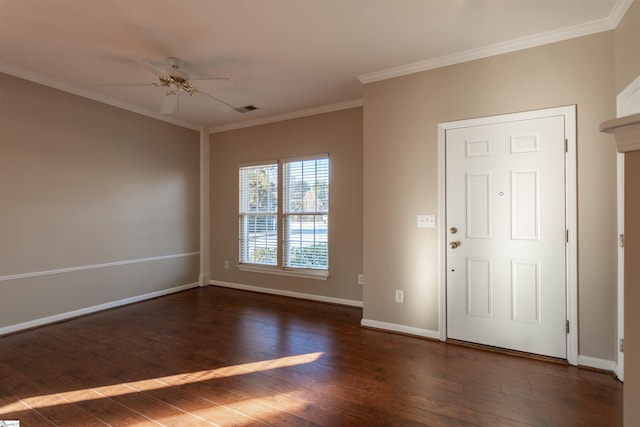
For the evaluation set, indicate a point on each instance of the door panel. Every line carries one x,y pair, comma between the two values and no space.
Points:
505,201
479,287
479,215
525,290
525,205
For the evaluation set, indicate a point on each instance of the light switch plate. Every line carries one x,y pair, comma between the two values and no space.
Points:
426,221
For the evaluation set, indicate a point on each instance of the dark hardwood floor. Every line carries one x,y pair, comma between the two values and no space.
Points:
215,356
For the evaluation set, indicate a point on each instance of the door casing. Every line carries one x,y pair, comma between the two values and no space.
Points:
569,115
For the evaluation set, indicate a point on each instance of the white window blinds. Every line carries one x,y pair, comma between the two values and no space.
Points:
258,214
288,234
306,213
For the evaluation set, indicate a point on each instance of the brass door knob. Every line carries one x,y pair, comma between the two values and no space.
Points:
454,245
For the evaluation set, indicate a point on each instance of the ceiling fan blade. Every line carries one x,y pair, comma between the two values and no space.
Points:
158,72
170,104
220,104
216,82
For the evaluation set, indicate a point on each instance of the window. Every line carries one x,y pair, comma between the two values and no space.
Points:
287,236
306,213
259,214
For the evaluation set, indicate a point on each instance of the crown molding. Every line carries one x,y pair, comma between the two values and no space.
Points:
597,26
288,116
55,84
618,11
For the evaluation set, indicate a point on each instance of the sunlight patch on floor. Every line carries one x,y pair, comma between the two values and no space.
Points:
101,392
243,412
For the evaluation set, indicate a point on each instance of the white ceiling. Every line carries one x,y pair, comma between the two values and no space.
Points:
284,56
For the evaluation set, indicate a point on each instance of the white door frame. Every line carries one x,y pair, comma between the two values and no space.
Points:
619,366
571,196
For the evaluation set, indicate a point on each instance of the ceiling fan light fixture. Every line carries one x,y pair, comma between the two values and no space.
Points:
170,103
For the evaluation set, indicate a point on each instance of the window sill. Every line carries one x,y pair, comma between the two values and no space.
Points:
307,274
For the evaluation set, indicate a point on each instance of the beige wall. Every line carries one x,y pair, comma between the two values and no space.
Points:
337,133
401,173
627,47
632,290
82,184
627,50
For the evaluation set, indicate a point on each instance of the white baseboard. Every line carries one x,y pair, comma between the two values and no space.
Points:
394,327
592,362
205,279
88,310
618,371
300,295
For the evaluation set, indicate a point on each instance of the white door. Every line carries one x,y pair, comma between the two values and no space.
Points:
506,235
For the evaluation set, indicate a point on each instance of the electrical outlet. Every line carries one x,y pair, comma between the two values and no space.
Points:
426,221
399,296
226,265
360,279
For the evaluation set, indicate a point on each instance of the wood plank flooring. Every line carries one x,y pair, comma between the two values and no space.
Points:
215,356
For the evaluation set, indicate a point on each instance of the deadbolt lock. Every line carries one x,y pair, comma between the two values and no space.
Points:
453,230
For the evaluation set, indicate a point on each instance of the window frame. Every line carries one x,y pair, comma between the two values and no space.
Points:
281,217
245,212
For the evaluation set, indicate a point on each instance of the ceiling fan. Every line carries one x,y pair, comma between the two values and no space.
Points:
176,81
